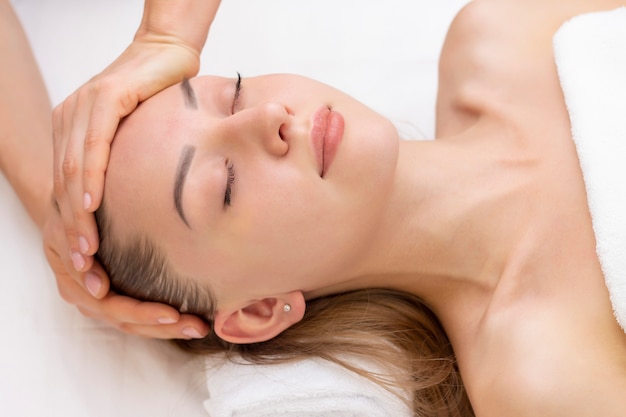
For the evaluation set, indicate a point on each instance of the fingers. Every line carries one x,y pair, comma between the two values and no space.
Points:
188,327
153,320
57,252
147,319
79,225
90,293
84,126
96,281
103,122
83,129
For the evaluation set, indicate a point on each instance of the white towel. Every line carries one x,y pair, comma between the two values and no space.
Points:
590,52
308,388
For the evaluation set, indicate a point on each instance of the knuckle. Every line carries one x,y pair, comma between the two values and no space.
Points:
89,88
127,101
70,231
58,184
87,313
92,137
125,328
64,293
70,166
91,174
107,83
99,85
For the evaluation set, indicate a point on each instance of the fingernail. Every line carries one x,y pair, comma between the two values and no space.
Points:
78,261
93,283
167,320
192,333
83,244
87,201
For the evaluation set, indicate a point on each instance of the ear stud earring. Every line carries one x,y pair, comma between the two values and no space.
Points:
287,308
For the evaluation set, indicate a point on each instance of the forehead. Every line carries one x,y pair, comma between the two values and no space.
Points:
142,164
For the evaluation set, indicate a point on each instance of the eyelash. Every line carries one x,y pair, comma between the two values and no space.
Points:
237,93
230,168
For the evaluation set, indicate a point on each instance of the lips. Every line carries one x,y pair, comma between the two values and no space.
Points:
326,134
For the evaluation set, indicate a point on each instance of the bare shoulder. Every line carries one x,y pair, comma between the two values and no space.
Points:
540,358
466,65
497,51
528,22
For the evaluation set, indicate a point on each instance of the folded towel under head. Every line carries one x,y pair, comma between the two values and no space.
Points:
307,388
590,53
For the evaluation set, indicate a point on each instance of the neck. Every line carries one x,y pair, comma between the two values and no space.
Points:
450,206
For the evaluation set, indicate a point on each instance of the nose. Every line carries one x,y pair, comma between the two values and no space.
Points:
261,125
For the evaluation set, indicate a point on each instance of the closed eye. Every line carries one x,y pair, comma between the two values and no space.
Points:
237,93
230,180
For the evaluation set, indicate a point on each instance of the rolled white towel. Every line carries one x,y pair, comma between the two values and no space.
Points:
307,388
590,53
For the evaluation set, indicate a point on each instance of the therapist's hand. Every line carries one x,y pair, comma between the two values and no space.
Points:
85,123
166,49
83,128
129,315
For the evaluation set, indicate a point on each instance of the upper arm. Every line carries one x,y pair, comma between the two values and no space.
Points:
461,68
498,59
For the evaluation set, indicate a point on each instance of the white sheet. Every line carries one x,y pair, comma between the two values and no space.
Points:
55,362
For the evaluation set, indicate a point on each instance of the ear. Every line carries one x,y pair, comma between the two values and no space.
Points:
260,320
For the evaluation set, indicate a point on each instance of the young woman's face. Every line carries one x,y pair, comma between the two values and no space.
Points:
265,189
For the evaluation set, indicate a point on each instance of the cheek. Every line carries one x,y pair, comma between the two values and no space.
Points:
284,216
284,202
308,231
287,221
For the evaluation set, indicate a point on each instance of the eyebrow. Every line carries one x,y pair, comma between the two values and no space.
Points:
184,162
188,94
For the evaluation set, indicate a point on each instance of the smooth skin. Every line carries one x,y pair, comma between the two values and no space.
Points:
488,224
502,247
26,159
536,335
284,220
25,149
166,49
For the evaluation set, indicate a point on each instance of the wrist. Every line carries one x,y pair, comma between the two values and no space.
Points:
182,22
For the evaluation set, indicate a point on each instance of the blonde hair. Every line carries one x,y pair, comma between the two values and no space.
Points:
393,330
